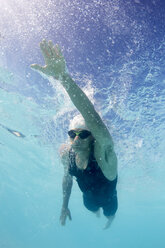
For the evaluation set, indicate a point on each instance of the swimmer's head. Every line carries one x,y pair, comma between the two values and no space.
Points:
78,143
78,122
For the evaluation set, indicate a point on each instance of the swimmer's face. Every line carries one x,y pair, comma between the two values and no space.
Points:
78,142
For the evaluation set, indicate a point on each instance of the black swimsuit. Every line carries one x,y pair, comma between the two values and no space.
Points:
97,190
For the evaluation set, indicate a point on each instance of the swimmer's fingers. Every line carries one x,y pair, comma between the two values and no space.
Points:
54,61
69,215
63,220
50,52
38,68
56,52
64,214
53,49
46,50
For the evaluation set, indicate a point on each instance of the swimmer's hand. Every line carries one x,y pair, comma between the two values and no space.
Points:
54,61
65,212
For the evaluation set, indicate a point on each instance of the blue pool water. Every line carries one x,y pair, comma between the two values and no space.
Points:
115,51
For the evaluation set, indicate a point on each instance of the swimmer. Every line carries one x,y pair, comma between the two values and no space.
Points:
90,155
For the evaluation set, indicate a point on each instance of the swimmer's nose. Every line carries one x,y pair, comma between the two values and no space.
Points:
76,138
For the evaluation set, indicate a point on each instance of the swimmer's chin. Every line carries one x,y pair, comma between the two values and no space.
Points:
76,147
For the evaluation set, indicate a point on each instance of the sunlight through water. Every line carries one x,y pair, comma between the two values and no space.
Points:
115,51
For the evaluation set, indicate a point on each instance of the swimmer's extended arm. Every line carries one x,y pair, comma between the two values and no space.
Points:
86,108
56,68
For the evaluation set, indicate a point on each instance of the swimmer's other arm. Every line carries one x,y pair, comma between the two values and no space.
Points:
66,187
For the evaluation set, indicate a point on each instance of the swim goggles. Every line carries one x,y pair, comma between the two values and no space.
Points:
82,134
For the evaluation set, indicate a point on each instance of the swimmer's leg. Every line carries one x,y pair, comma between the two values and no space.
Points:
97,213
109,210
90,203
109,222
